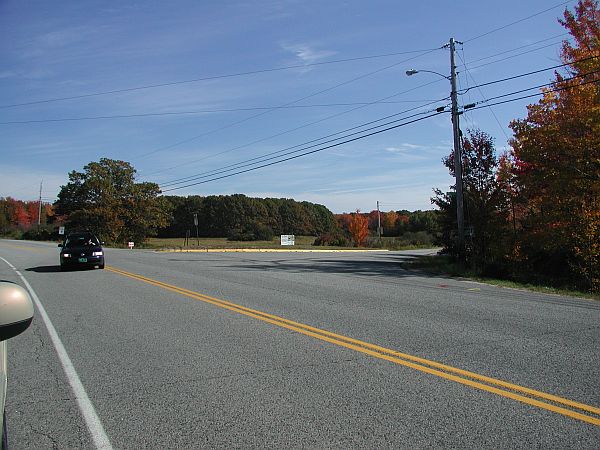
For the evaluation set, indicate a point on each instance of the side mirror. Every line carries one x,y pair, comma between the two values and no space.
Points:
60,245
16,310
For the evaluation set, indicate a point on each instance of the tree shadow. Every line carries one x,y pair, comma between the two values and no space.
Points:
388,266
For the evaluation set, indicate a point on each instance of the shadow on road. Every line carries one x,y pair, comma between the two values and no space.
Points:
44,269
390,266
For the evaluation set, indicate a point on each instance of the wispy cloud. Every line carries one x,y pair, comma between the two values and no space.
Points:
404,148
306,53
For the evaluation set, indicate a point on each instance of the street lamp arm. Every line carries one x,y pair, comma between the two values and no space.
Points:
414,71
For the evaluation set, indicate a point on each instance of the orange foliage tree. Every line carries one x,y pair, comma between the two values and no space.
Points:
359,228
556,152
388,223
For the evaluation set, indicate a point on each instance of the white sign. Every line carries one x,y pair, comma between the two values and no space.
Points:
287,239
130,244
61,230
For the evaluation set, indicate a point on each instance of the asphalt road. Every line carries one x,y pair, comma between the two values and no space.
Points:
311,350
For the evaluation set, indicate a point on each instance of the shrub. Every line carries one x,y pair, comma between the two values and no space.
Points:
334,239
254,231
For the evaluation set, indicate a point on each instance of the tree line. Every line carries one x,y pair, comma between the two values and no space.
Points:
245,218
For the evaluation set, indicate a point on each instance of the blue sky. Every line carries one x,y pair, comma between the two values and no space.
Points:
55,50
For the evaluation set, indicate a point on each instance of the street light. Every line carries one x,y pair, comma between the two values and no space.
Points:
414,71
457,152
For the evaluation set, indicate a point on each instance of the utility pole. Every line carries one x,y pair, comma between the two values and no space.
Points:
457,154
378,221
40,206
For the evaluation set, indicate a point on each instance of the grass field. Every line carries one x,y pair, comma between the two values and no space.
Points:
301,243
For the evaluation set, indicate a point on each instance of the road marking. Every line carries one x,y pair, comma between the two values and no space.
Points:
86,407
503,388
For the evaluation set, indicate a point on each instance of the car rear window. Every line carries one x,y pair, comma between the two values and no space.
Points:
81,240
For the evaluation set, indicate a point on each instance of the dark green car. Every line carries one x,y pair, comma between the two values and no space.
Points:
81,250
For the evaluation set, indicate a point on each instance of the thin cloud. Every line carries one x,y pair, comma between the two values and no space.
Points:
307,54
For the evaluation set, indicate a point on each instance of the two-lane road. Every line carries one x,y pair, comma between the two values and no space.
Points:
320,350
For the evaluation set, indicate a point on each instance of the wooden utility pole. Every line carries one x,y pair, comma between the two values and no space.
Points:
457,155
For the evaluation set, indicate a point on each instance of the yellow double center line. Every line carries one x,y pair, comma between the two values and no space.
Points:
522,394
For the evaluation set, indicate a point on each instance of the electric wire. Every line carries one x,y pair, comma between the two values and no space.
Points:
204,111
266,70
314,94
514,77
208,111
305,154
561,35
482,95
459,77
299,128
378,132
536,94
517,21
214,77
462,92
121,116
286,151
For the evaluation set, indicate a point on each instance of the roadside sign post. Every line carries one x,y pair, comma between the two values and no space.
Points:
61,231
196,224
130,245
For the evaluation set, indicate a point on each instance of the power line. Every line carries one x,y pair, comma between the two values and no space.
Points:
269,108
477,86
205,111
214,77
252,108
518,21
528,73
215,130
285,152
536,94
304,126
373,133
561,35
483,96
265,70
304,154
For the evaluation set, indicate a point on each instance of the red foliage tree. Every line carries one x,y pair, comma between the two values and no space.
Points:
21,217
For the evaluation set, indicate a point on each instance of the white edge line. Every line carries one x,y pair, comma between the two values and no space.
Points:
90,416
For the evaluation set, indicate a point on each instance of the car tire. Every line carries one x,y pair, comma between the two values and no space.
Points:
4,433
101,266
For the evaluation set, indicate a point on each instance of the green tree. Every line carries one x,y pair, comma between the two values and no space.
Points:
105,199
483,202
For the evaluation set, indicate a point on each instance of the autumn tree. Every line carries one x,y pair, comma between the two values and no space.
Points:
105,199
21,217
389,223
557,159
359,228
